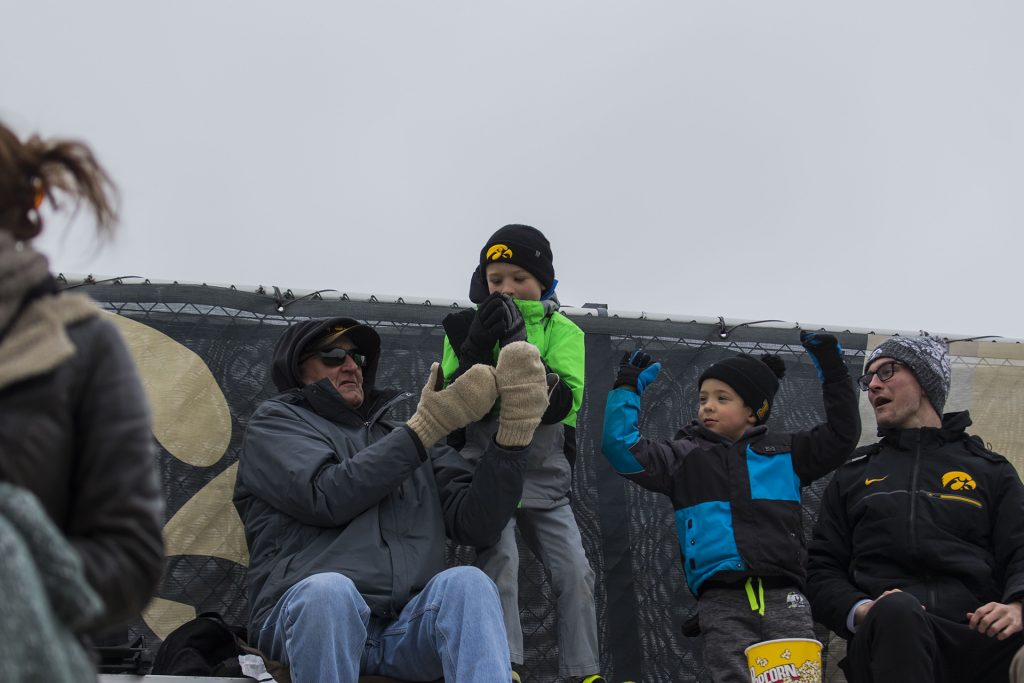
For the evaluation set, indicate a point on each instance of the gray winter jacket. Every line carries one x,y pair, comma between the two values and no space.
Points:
325,488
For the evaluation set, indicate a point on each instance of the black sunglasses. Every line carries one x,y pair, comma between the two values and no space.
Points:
884,372
332,358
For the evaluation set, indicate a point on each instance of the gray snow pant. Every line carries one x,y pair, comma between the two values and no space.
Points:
548,527
729,626
554,538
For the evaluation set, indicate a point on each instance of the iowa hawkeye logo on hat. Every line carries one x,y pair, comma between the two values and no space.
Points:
498,251
763,410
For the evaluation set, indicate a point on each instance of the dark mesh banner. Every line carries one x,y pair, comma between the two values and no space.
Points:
204,355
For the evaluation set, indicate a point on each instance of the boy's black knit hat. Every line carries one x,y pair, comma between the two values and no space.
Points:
520,245
756,380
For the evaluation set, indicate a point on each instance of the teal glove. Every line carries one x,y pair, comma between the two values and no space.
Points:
826,353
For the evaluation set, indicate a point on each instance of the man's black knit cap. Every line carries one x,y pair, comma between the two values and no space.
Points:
756,380
520,245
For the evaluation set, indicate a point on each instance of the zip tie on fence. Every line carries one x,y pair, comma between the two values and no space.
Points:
724,332
968,339
90,281
282,304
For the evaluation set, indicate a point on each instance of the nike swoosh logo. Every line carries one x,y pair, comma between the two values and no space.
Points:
869,482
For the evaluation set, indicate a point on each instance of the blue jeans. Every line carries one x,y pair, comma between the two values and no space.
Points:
322,629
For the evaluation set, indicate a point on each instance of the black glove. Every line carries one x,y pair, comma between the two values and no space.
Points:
559,400
516,330
495,318
827,354
635,370
456,327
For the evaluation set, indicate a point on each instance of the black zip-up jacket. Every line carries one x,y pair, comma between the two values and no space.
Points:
929,511
322,487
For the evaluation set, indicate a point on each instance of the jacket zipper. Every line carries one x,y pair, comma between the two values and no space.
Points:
913,517
947,496
404,396
913,493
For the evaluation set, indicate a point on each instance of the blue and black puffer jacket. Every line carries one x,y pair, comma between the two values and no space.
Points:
737,505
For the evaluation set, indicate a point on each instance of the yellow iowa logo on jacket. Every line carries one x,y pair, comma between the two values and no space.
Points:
498,251
958,481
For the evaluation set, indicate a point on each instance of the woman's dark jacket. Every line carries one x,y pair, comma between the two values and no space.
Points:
78,436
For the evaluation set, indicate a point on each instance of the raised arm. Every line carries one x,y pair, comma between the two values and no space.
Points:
319,479
823,448
477,506
647,463
322,479
471,336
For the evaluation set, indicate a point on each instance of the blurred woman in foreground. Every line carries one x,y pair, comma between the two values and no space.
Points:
74,422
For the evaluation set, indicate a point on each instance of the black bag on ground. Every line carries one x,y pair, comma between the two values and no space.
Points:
205,646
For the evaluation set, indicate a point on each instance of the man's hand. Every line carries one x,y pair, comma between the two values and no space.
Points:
862,610
523,387
996,620
443,410
827,354
636,371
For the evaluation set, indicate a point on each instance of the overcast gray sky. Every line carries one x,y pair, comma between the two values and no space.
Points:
849,164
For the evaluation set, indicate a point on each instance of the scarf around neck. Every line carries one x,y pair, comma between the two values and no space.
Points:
36,339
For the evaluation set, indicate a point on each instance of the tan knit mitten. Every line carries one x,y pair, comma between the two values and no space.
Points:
523,389
443,410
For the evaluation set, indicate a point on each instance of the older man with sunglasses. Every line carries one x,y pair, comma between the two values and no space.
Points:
918,554
346,511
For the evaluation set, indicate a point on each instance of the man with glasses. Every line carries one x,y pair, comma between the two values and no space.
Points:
918,553
346,511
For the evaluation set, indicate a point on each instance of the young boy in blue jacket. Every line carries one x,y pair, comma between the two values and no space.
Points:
735,488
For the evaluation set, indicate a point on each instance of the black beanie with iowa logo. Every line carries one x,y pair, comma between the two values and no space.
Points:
519,245
756,380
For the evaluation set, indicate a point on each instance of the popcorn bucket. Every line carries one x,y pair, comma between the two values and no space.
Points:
788,660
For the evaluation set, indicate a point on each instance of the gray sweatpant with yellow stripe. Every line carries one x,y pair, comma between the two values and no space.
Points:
731,621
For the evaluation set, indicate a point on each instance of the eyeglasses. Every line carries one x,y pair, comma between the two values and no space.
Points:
883,371
332,358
